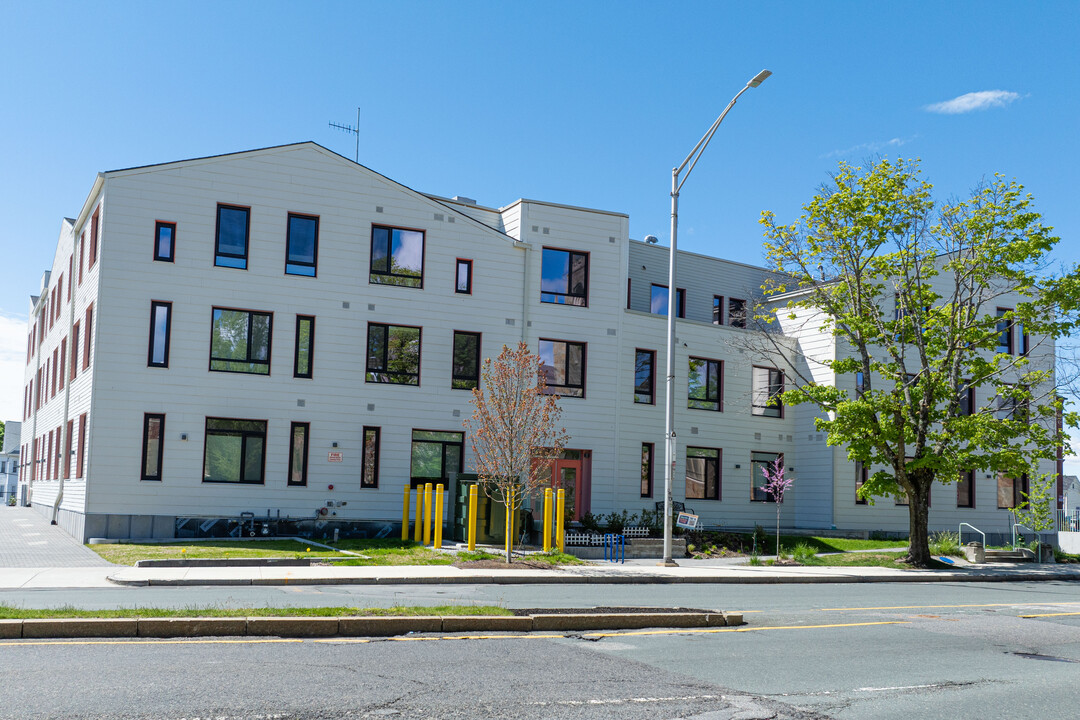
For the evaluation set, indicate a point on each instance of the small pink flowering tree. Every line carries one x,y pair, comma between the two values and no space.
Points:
776,484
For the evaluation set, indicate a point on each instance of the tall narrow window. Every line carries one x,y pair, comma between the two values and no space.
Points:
658,301
369,464
759,463
1022,343
49,457
703,473
63,361
52,370
393,354
465,372
965,490
94,222
563,365
397,257
435,455
463,281
68,444
88,328
160,324
235,451
646,469
74,351
302,245
231,237
164,241
645,376
304,354
704,384
81,465
71,274
153,446
564,277
240,341
1011,491
736,313
1005,331
766,391
82,255
717,309
862,475
967,400
298,453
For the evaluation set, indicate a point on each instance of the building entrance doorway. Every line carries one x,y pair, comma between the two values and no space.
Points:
569,472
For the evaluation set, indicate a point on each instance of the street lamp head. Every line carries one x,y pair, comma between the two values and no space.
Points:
759,78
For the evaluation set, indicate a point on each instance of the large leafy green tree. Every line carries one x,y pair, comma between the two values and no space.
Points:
925,300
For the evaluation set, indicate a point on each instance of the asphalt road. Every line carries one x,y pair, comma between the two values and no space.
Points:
846,651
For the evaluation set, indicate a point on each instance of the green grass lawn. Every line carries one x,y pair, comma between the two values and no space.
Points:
868,559
825,544
8,612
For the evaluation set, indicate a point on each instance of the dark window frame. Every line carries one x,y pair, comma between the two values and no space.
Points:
415,481
756,494
680,300
733,315
158,225
88,335
147,419
371,373
456,378
652,377
969,502
293,427
719,398
774,403
553,389
1020,488
862,476
288,244
717,309
468,264
310,348
244,435
648,465
1005,329
95,236
154,305
375,457
567,297
373,273
247,238
705,482
269,342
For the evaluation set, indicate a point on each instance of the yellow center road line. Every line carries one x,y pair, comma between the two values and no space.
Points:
702,631
926,607
152,641
1050,615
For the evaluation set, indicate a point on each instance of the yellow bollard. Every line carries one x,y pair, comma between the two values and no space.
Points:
547,520
473,493
438,515
509,523
405,513
419,524
560,510
427,513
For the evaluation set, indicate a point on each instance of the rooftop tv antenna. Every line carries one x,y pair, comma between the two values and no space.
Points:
350,129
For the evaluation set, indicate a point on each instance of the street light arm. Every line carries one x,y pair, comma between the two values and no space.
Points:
703,143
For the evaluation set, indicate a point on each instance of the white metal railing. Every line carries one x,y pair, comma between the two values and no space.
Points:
1067,522
959,534
1038,548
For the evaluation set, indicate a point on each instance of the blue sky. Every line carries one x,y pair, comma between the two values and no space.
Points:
584,103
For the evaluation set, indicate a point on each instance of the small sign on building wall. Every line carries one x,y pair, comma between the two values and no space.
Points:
333,457
686,520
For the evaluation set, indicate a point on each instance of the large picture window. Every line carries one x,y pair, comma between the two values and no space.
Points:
393,354
152,447
303,354
160,322
231,243
703,473
397,257
434,455
564,277
240,341
563,365
704,384
466,364
759,463
235,451
298,453
767,387
301,245
369,464
645,376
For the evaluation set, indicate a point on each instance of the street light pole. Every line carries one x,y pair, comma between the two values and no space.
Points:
672,309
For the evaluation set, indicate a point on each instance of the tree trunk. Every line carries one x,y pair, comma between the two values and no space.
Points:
918,512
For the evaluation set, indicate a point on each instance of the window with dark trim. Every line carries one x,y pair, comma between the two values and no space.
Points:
304,352
88,334
231,236
645,376
393,354
465,370
240,341
736,313
1023,345
435,454
967,400
564,277
81,465
463,277
63,362
759,462
658,300
68,444
235,451
160,324
646,469
82,255
705,384
965,490
397,257
766,391
152,445
1011,491
164,241
301,245
703,473
862,475
1005,331
71,275
717,309
94,231
298,453
563,366
74,351
369,461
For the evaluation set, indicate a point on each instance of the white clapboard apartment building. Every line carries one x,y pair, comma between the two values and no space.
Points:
282,330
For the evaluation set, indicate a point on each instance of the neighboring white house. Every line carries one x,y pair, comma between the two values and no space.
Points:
9,462
271,331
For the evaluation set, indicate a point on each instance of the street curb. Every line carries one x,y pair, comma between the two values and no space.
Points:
364,626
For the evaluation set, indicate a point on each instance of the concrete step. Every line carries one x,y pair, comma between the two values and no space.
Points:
1010,556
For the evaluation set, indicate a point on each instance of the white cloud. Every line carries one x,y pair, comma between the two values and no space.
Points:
969,102
12,364
869,147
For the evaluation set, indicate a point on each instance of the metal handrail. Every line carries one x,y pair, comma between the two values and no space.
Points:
1016,525
960,527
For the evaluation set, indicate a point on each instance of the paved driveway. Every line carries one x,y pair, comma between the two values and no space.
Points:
27,540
